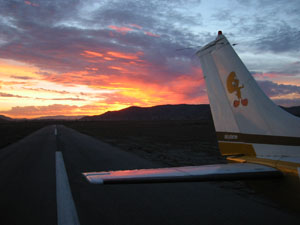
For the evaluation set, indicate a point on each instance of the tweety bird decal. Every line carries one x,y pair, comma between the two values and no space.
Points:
233,86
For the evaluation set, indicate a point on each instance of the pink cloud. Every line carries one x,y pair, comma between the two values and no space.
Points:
122,30
151,34
31,3
136,26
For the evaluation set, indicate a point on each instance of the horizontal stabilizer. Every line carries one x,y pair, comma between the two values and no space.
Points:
234,171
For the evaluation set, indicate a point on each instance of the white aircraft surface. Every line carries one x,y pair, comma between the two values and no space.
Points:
262,138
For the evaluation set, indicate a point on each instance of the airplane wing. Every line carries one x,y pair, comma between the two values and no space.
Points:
232,171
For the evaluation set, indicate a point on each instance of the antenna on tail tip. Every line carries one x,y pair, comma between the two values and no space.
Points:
219,32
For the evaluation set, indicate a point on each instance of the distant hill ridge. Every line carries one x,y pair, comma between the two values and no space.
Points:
161,112
5,118
165,112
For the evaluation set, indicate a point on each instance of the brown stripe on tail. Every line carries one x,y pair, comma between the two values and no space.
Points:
229,148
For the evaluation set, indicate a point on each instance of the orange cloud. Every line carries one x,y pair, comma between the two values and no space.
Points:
91,68
122,70
92,54
110,56
184,89
12,83
125,55
131,82
184,83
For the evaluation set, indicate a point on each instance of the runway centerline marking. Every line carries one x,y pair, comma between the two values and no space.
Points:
55,130
66,211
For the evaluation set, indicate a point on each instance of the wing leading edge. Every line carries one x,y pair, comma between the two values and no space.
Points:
232,171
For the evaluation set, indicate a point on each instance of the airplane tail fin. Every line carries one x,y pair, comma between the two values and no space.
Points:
246,121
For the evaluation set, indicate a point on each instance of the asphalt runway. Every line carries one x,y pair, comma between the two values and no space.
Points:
29,195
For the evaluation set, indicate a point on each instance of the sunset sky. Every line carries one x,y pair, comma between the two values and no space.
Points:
72,57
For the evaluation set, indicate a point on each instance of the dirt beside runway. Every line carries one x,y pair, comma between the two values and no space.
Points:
172,143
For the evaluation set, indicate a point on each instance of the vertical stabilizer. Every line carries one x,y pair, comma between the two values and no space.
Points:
246,120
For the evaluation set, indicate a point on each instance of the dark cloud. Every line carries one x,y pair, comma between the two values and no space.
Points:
67,99
21,77
46,12
283,38
47,90
278,92
286,70
6,95
148,14
288,102
61,99
262,25
272,89
292,68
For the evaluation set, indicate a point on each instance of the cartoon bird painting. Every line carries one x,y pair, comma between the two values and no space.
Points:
233,87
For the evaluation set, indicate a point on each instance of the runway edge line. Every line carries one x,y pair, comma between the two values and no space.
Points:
66,211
